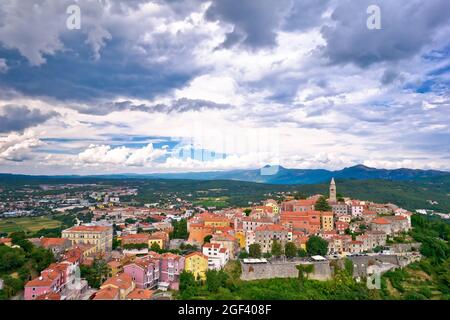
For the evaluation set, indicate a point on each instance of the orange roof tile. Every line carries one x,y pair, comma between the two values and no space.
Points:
122,281
108,293
380,221
140,294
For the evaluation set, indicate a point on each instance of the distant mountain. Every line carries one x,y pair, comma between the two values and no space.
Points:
281,175
275,175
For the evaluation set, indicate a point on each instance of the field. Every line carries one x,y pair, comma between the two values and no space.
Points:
219,202
28,224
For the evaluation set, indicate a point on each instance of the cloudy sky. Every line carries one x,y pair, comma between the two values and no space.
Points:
191,85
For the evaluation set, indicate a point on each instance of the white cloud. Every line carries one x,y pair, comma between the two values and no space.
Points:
100,155
3,66
16,147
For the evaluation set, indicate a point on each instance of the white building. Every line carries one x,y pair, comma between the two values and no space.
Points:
218,255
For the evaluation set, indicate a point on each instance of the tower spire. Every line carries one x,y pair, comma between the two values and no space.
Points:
333,191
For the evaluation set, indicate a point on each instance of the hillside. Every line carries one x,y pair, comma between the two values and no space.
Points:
408,194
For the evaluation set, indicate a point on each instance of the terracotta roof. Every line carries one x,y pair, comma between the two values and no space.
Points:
212,245
196,254
49,296
108,293
41,281
114,264
380,221
140,294
49,242
87,229
5,240
170,255
122,281
270,227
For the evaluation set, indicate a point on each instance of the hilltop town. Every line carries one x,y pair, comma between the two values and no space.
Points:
138,253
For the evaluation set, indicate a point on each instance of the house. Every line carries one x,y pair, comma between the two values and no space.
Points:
307,221
54,278
218,256
144,271
197,264
356,208
6,241
341,226
365,240
339,209
327,219
227,241
51,282
250,224
140,294
123,282
133,239
115,267
275,207
376,238
354,246
99,236
265,235
345,218
161,238
171,266
381,224
399,223
369,216
298,205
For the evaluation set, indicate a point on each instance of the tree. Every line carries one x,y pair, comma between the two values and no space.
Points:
254,250
155,247
207,239
215,279
187,280
322,204
130,221
243,254
247,212
302,253
179,229
316,246
276,250
95,274
42,258
115,243
10,259
290,250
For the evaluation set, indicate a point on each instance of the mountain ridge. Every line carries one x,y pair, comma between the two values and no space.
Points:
271,175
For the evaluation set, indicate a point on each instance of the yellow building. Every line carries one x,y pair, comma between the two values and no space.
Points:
161,238
123,282
327,221
197,264
100,236
240,236
217,222
275,207
116,268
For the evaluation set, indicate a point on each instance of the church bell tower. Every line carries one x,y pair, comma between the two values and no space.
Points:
333,191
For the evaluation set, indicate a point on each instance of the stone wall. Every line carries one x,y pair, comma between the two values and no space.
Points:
283,269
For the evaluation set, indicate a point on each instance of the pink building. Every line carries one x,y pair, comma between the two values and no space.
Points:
144,271
171,266
54,279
